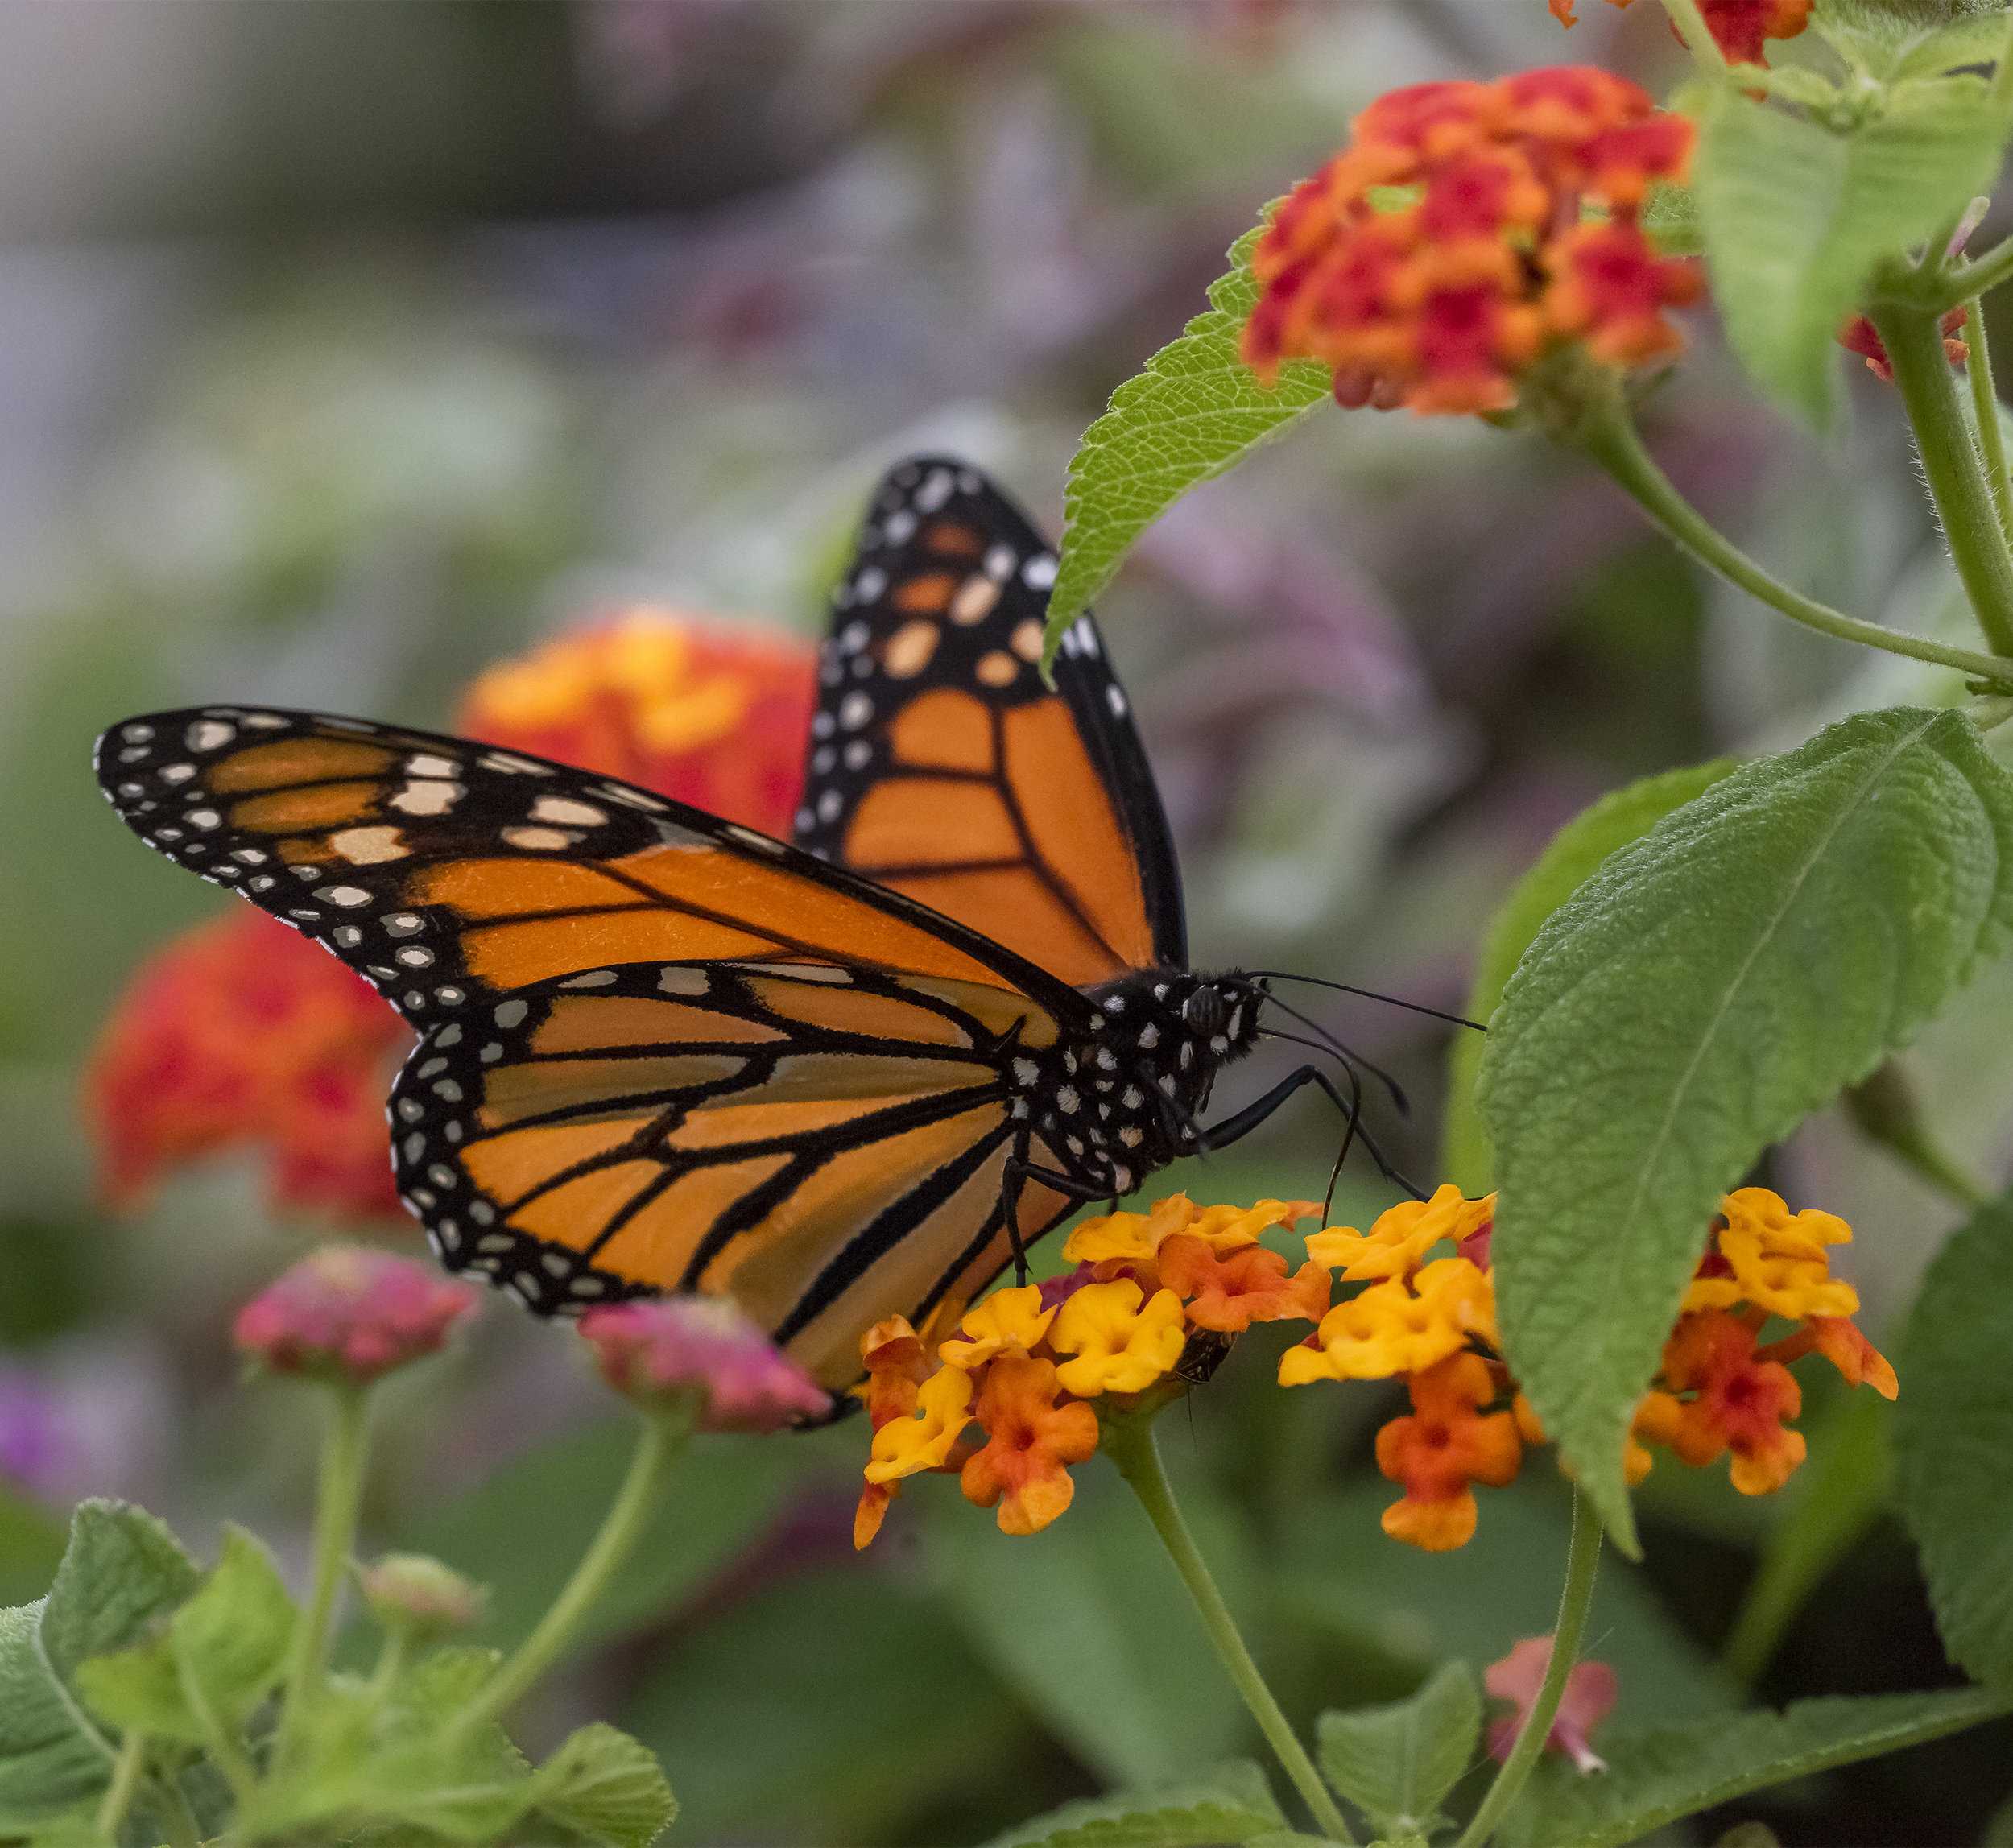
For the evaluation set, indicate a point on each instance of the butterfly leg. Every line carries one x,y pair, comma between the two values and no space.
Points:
1017,1172
1220,1135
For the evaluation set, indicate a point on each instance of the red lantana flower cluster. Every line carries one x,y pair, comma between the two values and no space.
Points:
1717,1391
242,1031
1468,227
1035,1368
1739,26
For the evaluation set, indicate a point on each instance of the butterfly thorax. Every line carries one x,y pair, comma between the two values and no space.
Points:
1123,1100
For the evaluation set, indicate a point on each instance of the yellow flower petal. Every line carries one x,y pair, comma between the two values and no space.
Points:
1391,1328
1008,1322
1121,1347
1401,1236
903,1446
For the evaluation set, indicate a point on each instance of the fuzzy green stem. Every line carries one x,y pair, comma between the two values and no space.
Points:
1886,1108
1613,444
1988,714
1985,405
1582,1558
390,1664
126,1770
658,1446
1982,277
1964,503
339,1499
1132,1446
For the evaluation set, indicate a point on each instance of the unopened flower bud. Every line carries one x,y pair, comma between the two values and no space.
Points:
421,1598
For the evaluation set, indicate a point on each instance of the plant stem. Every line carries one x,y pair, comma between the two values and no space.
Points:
1985,405
171,1811
339,1498
1982,277
126,1777
1133,1447
1582,1557
1698,38
659,1444
1615,446
1964,503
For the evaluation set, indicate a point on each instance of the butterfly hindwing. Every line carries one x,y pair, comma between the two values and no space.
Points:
822,1143
943,767
450,874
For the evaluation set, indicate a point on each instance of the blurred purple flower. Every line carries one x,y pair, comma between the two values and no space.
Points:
31,1430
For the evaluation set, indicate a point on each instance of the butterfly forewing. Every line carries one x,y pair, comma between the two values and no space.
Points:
823,1143
942,767
447,873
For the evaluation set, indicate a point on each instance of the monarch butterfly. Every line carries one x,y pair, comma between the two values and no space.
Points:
842,1077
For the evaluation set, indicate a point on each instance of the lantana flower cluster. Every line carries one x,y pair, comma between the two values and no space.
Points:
1430,1321
1468,229
1035,1369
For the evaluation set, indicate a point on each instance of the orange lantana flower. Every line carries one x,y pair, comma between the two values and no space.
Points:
1033,1433
704,713
1250,1285
1445,1445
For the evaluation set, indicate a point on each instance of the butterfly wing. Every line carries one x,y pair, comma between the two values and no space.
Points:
829,1145
942,767
450,874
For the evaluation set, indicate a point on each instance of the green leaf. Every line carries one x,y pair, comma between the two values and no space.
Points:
1954,1431
605,1787
1670,215
522,1531
219,1655
1890,39
1568,862
1653,1777
1711,985
122,1573
1396,1762
1232,1803
1090,1625
1796,217
829,1707
31,1543
1195,411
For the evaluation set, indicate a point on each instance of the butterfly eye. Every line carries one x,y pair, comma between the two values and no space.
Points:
1204,1011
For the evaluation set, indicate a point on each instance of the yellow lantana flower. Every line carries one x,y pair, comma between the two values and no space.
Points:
1401,1236
1778,1260
1007,1322
903,1446
1120,1346
1394,1328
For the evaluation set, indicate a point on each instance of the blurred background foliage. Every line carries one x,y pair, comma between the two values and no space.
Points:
345,348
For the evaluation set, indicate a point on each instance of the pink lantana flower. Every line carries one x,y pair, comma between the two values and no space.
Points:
1590,1693
653,1351
346,1312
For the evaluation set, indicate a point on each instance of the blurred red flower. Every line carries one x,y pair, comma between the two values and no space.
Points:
1739,26
242,1031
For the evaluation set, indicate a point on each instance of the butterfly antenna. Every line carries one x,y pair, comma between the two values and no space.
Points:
1348,1055
1370,994
1354,1118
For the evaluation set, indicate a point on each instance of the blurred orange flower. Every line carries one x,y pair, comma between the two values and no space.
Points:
243,1031
705,714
